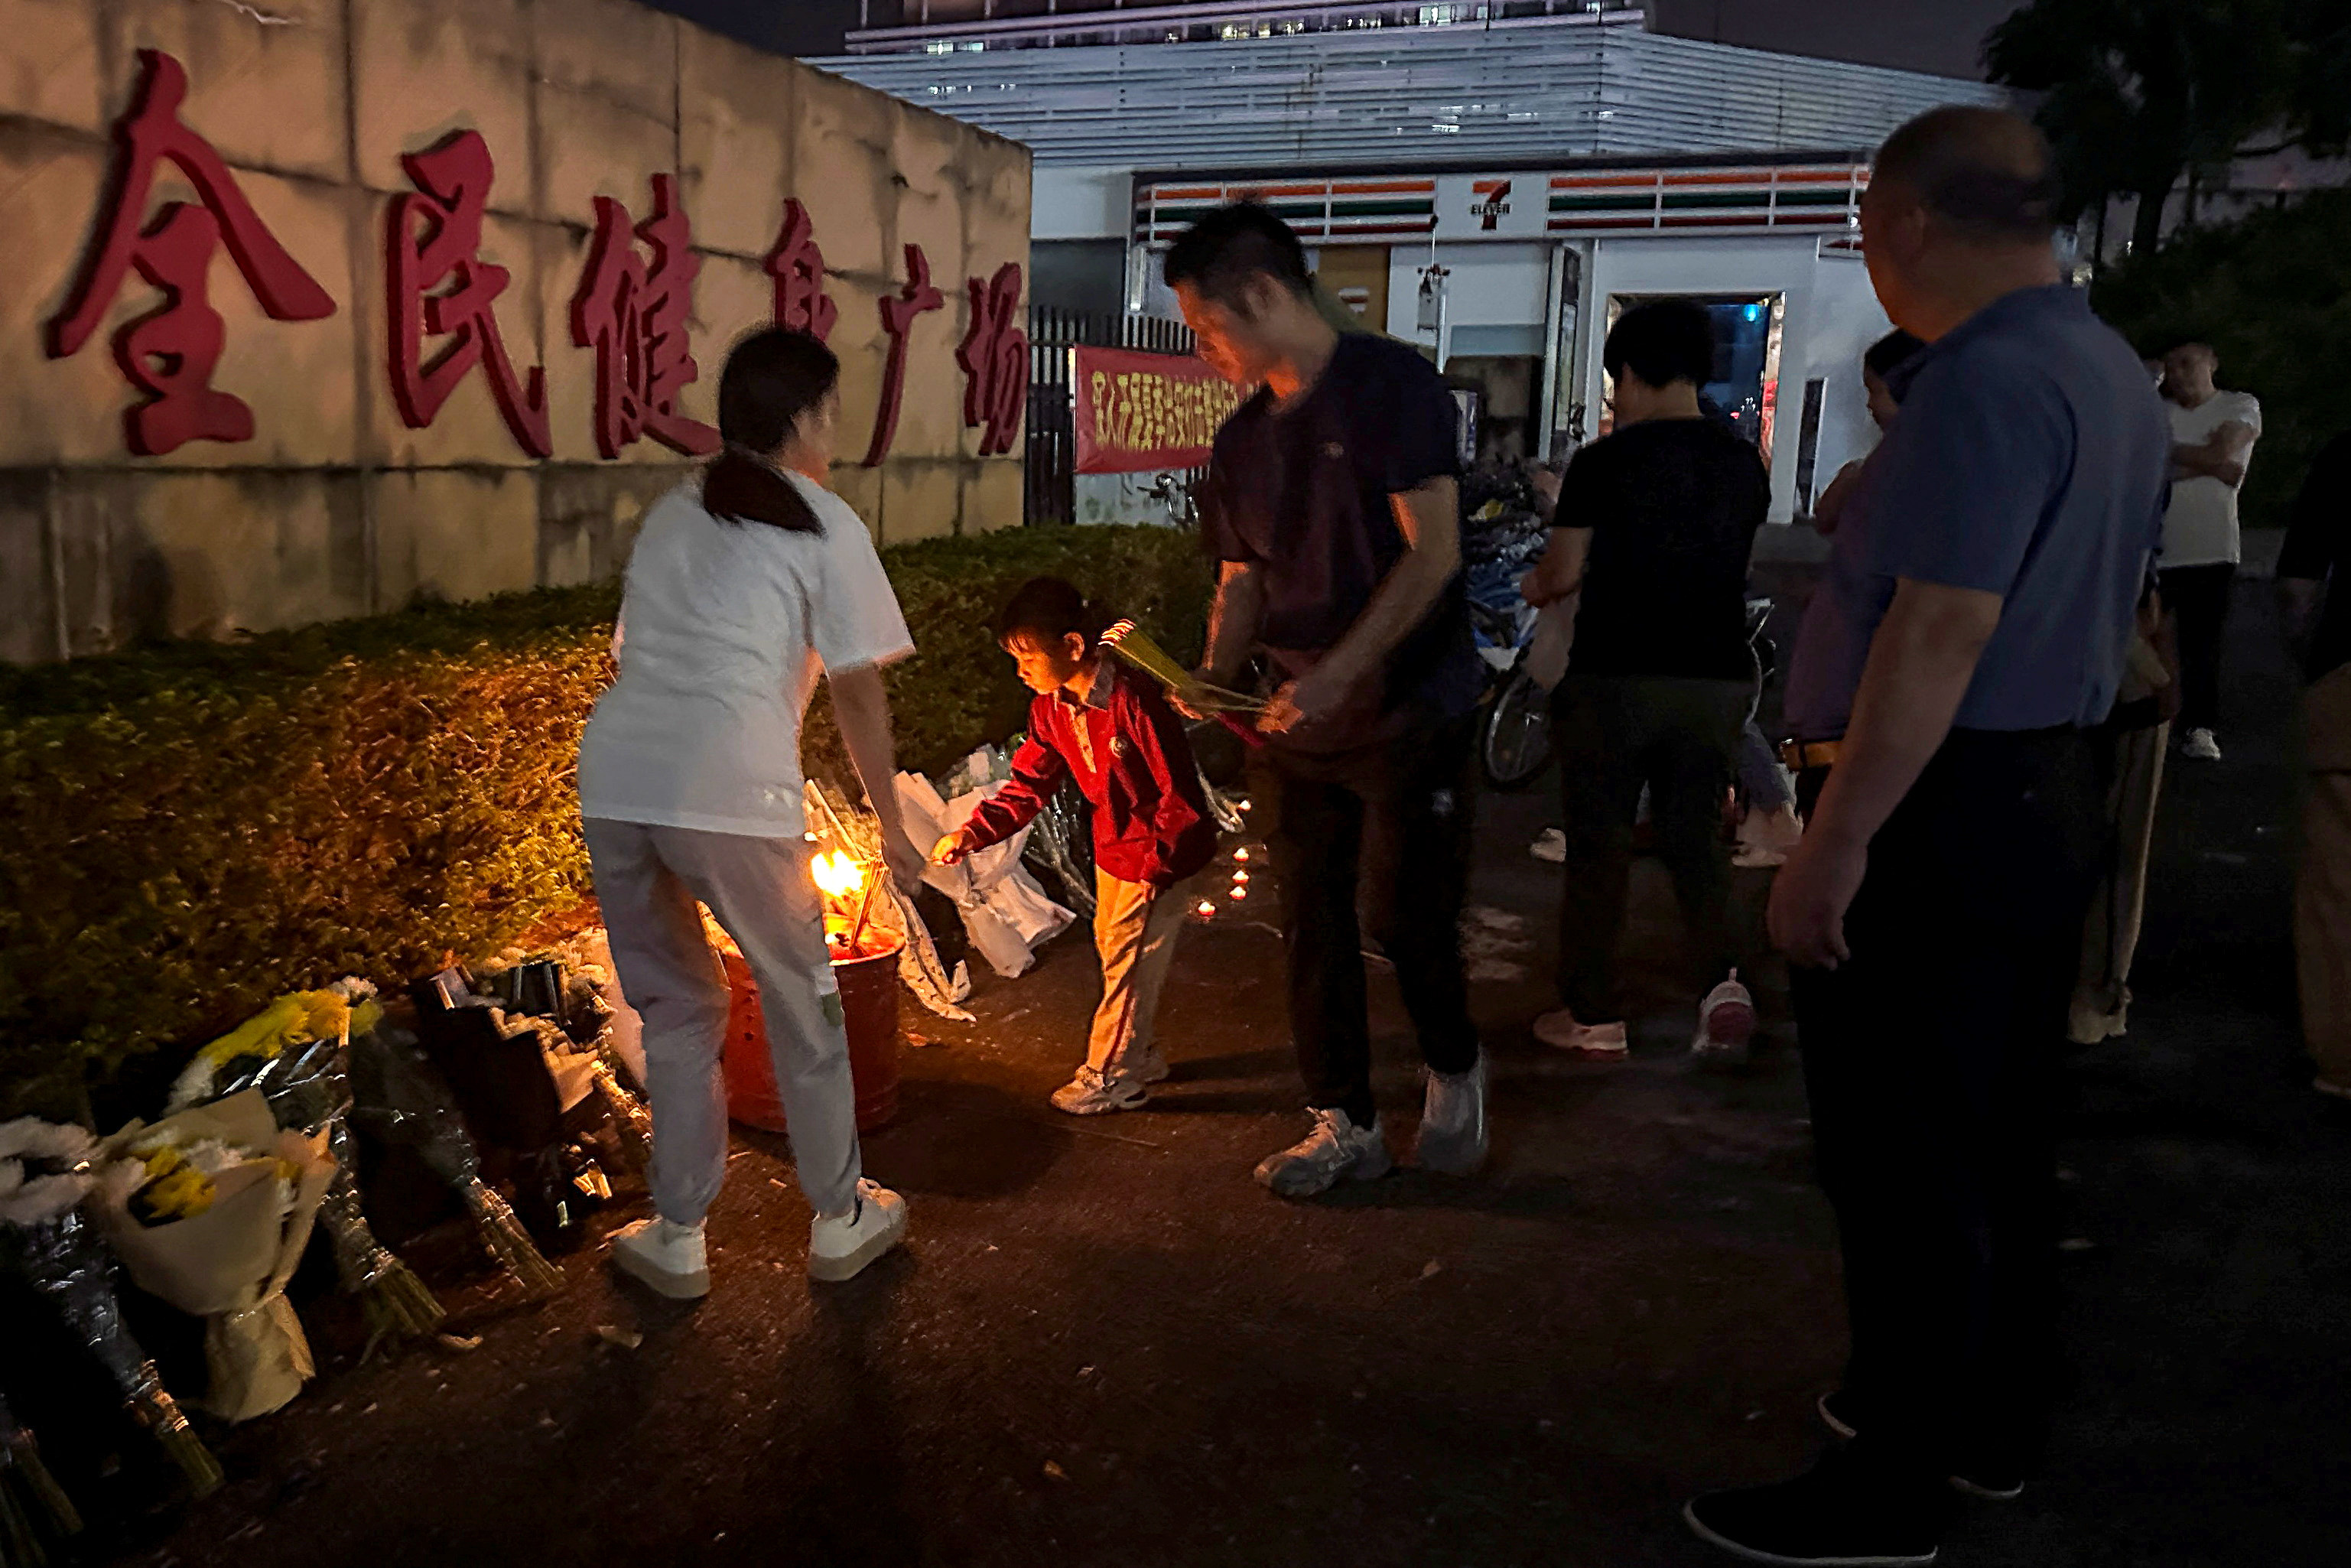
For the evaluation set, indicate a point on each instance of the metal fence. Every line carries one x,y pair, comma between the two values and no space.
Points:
1050,494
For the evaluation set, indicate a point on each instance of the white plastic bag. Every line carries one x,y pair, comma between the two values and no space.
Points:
1003,910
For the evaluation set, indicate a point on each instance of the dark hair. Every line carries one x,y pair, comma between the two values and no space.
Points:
1880,358
1985,173
1219,254
772,377
1663,341
1050,609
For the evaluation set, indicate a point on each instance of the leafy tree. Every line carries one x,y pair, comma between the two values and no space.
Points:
2138,92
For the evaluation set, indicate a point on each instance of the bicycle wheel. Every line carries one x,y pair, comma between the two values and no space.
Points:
1514,743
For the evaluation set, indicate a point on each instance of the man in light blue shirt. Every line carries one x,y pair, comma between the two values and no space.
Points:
1933,910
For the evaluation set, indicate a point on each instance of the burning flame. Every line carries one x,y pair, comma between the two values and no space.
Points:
836,874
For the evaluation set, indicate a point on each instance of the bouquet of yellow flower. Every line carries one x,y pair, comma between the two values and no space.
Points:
297,1051
210,1210
46,1169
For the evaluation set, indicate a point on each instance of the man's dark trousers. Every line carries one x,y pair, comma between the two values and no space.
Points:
1613,734
1390,821
1930,1057
2198,599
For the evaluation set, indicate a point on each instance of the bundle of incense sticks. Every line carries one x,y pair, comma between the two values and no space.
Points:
1130,642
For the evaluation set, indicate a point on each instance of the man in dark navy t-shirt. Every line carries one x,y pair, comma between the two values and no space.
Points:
1330,509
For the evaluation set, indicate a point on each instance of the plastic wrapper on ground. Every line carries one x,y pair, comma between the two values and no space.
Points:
67,1265
1004,910
401,1102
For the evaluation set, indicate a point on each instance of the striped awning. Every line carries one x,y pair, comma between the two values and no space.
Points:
1617,201
1321,210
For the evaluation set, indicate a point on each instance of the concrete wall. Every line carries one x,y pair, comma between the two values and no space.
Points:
335,507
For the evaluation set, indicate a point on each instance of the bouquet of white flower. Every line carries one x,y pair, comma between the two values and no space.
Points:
46,1171
296,1052
210,1210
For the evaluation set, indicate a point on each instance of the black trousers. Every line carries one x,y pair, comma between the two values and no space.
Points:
2198,596
1930,1060
1386,828
1613,734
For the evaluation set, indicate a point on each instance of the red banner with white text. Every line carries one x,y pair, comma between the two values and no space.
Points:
1135,412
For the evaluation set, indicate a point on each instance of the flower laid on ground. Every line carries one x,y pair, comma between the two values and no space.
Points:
46,1241
402,1101
296,1052
210,1210
33,1508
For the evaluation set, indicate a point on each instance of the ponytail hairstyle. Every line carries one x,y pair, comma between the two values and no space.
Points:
772,378
1049,609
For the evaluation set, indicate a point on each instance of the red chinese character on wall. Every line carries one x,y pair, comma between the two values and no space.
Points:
633,314
797,266
170,353
995,359
433,238
898,319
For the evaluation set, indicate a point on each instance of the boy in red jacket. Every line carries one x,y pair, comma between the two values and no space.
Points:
1116,735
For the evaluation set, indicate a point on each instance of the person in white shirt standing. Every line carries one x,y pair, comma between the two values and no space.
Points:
744,586
2212,435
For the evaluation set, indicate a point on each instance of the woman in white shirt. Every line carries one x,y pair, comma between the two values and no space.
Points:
743,587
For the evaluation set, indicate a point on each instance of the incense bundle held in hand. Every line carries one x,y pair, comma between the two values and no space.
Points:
1133,644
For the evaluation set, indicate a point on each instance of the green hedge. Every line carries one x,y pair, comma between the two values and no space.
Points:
194,828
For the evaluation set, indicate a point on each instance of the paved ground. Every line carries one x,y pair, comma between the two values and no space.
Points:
1106,1345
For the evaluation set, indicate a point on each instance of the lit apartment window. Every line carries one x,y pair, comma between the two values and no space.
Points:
939,47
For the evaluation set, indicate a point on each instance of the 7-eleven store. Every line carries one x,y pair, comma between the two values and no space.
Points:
1513,278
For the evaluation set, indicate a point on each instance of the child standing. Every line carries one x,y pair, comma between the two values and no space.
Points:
1119,739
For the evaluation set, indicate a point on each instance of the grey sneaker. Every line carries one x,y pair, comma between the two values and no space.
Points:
668,1258
1726,1025
1091,1092
1336,1148
1453,1122
2202,745
1148,1066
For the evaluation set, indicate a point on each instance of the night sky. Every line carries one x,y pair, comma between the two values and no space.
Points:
1944,36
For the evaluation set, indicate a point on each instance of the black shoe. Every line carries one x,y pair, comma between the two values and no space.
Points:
1833,1516
1991,1480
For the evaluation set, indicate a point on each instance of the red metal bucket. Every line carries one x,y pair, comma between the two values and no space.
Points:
869,1006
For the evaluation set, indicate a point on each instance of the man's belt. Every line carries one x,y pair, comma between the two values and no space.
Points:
1799,755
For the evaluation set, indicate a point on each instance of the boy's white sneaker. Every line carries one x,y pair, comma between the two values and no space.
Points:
1725,1024
840,1247
667,1259
1558,1030
1093,1091
1336,1149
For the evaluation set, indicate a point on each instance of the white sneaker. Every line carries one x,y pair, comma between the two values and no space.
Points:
1336,1148
1558,1030
1453,1122
1725,1024
840,1247
1093,1092
664,1258
2202,745
1551,844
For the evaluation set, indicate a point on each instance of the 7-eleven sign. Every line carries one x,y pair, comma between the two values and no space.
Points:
1491,206
1491,203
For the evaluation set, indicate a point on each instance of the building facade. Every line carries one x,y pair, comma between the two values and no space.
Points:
1496,182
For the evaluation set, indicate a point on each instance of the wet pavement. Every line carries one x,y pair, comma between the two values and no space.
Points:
1105,1344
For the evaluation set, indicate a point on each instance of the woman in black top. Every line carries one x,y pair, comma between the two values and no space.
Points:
1652,527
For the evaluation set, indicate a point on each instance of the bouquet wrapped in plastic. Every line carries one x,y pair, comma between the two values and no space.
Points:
210,1210
298,1054
401,1101
33,1508
46,1171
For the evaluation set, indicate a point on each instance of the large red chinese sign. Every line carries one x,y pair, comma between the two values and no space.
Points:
632,306
1138,412
169,354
